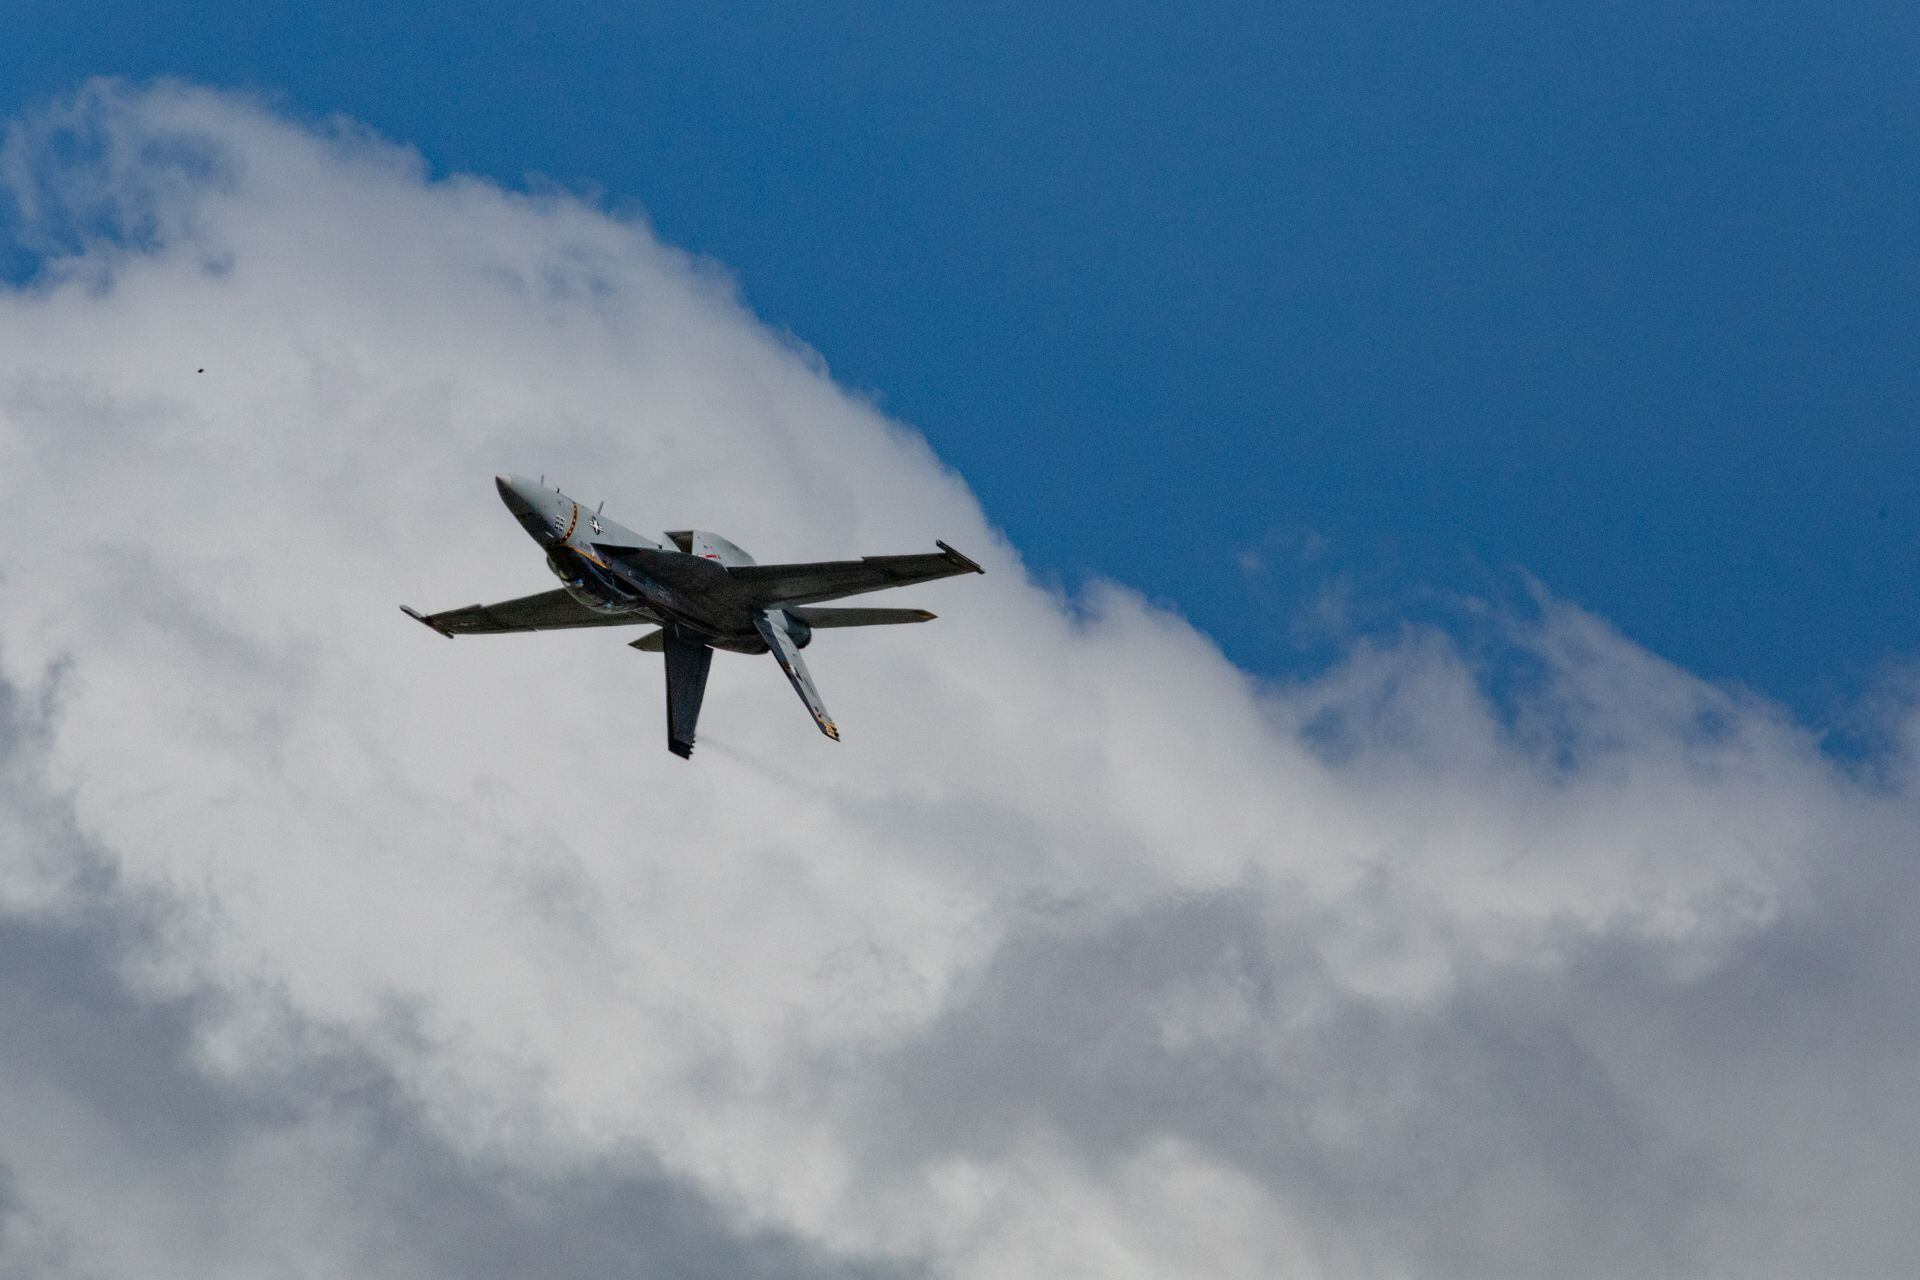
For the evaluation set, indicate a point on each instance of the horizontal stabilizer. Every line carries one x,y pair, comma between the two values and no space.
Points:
652,642
818,618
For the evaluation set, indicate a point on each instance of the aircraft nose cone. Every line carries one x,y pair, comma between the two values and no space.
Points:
512,492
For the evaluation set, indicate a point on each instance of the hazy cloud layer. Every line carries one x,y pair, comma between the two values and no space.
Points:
330,948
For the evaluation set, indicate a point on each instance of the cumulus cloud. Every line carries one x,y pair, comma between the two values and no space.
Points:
331,948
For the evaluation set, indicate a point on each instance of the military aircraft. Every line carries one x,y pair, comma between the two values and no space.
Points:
701,591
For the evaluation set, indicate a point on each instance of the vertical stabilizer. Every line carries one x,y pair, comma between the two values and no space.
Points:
773,629
688,658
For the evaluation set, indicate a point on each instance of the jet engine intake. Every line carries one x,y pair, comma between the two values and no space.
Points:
583,581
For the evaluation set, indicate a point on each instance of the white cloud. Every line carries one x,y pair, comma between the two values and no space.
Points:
1084,954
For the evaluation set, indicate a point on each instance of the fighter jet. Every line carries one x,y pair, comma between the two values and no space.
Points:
700,591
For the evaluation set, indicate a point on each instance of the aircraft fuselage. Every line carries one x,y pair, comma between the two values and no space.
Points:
651,580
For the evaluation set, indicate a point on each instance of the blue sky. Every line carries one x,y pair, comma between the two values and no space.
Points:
1231,303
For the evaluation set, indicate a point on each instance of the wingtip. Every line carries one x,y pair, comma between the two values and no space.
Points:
957,558
682,749
426,621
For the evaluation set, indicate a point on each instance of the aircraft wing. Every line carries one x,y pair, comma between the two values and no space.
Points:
548,611
771,584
